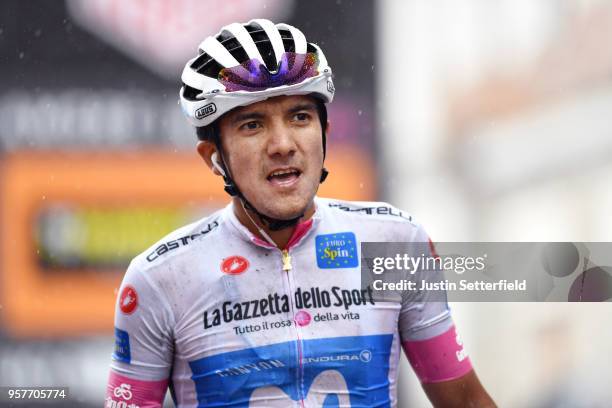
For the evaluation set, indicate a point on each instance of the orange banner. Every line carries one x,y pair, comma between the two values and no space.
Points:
71,220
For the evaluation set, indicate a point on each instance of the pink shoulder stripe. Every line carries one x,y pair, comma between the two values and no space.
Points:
122,391
440,358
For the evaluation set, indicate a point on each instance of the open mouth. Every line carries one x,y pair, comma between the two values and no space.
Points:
284,177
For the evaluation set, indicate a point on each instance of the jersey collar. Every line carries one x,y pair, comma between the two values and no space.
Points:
302,229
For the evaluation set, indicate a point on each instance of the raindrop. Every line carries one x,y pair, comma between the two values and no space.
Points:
38,32
359,112
361,185
21,55
44,197
1,30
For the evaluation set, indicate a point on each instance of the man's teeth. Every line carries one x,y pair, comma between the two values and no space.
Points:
282,173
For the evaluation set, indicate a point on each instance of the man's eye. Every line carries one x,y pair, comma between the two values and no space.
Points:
300,117
249,126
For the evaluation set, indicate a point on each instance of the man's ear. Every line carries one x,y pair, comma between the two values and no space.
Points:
327,128
206,150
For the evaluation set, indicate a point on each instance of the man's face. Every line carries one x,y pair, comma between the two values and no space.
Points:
275,154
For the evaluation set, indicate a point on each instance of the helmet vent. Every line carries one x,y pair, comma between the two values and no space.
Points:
206,65
258,42
231,44
288,41
190,93
261,40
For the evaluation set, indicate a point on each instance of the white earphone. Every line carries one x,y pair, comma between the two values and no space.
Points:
217,164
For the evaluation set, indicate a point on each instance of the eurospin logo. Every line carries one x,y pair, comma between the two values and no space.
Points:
337,250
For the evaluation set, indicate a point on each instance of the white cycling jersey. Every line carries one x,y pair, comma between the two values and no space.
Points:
229,321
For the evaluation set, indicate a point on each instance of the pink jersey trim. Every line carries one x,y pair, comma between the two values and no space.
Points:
300,230
123,391
440,358
261,242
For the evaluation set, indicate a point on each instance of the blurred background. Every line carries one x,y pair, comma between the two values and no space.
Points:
487,120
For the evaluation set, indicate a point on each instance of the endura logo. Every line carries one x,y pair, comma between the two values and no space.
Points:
365,356
205,111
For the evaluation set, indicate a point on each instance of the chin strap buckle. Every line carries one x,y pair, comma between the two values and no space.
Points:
324,174
231,189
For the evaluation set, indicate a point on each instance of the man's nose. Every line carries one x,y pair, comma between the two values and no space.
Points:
281,140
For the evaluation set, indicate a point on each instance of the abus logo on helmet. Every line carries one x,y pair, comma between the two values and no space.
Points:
330,87
205,111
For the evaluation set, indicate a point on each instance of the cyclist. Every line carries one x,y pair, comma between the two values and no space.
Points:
260,303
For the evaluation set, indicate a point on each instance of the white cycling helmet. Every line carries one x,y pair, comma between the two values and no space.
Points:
248,63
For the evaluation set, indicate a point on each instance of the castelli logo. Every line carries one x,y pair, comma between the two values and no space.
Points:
128,300
234,265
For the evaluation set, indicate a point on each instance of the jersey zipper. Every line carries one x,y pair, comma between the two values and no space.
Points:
286,260
287,268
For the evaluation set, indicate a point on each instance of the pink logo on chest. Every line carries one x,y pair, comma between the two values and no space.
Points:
302,318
